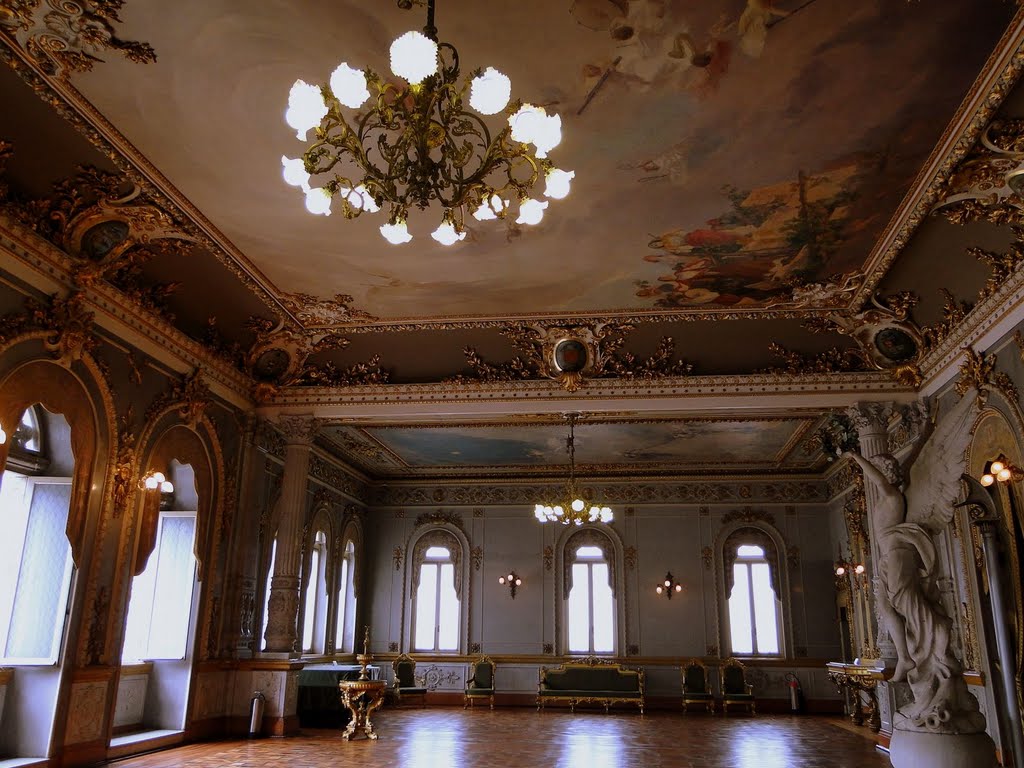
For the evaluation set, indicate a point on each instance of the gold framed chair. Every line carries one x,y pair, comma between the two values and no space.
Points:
481,684
735,688
696,685
405,683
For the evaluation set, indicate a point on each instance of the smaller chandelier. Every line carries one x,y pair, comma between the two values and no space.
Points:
572,509
417,145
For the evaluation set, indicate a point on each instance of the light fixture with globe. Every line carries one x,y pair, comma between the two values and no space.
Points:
572,508
416,145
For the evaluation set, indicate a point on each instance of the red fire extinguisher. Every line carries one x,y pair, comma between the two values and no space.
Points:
796,694
256,705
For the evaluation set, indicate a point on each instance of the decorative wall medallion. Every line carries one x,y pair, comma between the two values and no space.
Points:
711,650
632,650
476,557
549,557
478,512
396,557
66,36
392,647
548,648
475,648
570,354
707,555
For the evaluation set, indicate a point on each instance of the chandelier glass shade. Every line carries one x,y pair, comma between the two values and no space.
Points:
422,143
572,508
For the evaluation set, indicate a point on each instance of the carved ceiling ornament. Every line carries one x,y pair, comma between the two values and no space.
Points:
978,371
298,430
570,354
65,36
953,314
987,184
188,397
314,312
836,292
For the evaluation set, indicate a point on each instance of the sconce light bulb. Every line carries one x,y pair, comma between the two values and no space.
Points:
840,571
159,477
997,467
668,583
858,569
1003,474
519,582
659,590
987,479
501,579
679,587
151,483
166,487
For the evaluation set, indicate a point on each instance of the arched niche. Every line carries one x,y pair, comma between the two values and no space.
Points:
182,444
60,390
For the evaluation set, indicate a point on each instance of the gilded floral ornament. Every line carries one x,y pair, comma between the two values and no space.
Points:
571,354
66,36
838,291
978,371
189,397
71,323
314,312
987,184
125,481
953,313
1001,265
832,360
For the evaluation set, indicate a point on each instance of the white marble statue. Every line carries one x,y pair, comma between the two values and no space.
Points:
906,514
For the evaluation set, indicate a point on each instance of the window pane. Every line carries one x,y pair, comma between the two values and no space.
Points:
172,592
589,552
448,634
309,615
604,638
579,610
426,607
14,513
749,550
339,627
739,611
266,595
765,615
37,618
437,553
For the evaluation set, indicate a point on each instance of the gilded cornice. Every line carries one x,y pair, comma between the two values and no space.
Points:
690,387
332,473
115,311
988,92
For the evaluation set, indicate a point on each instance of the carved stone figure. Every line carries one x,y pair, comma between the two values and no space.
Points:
912,504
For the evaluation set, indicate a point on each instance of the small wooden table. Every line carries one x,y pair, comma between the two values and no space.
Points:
361,698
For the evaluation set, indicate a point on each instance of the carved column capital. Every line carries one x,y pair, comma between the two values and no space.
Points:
298,429
870,418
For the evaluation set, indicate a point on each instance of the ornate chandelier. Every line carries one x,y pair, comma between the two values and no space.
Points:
416,144
572,509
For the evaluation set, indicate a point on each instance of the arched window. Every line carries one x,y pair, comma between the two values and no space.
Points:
590,605
346,606
755,611
436,623
314,621
35,554
266,592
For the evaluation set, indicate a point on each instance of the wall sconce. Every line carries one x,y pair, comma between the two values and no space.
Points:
668,586
156,481
844,569
513,581
1001,470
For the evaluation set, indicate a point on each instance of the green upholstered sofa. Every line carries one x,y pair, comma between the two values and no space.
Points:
591,680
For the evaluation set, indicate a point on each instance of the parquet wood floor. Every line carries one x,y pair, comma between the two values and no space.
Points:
523,738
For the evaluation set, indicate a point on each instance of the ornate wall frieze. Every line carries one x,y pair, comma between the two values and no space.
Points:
66,36
268,439
334,476
571,354
440,517
498,494
747,515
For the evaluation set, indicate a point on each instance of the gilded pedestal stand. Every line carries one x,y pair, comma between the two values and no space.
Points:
361,697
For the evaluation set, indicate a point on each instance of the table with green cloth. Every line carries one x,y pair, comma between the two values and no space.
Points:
319,703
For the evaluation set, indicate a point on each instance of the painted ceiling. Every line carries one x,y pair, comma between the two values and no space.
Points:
724,151
676,445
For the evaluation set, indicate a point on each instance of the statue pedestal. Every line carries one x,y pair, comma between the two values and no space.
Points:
915,749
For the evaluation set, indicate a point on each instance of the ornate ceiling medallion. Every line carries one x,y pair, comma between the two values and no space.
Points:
571,354
65,36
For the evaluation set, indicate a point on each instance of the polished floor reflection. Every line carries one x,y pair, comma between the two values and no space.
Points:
514,738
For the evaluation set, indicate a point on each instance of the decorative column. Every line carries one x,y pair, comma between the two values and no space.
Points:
244,555
283,608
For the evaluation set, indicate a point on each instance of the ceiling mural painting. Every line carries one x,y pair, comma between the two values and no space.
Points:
733,150
651,446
